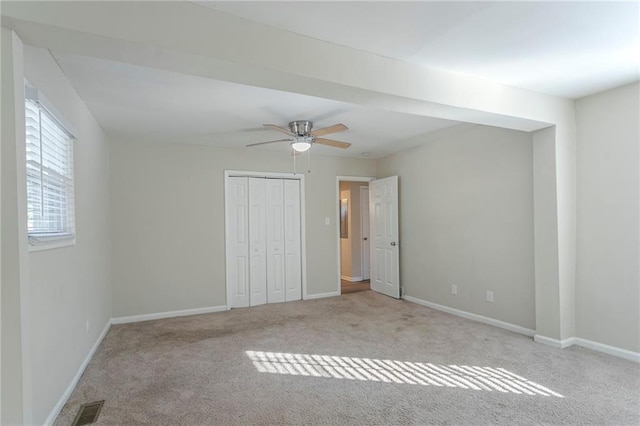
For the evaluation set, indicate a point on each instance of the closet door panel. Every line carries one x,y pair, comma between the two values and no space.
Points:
257,242
238,241
275,241
292,238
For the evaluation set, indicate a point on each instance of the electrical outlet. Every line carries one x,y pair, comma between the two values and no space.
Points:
454,289
489,296
327,221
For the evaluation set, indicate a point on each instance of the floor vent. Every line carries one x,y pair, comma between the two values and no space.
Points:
88,413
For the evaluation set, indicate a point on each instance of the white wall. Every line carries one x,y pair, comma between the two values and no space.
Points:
5,33
466,218
168,221
608,282
69,286
549,308
13,226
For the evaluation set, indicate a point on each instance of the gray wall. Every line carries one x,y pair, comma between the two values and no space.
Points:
608,285
63,289
70,286
13,226
167,212
466,218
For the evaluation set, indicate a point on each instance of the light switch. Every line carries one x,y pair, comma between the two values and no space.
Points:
489,296
327,221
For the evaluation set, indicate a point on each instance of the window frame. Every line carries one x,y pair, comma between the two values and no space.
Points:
63,237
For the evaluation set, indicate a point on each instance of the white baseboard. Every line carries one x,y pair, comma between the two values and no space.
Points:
589,344
170,314
67,393
351,279
555,343
322,295
611,350
549,341
474,317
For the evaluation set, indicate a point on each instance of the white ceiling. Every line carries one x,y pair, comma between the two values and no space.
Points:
131,101
566,49
569,49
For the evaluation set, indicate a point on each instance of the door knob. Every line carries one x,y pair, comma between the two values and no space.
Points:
365,238
393,243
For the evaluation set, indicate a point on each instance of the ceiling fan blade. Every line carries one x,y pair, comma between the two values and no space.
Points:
330,142
262,143
278,128
331,129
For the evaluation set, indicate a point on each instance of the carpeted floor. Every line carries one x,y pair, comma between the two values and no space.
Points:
361,358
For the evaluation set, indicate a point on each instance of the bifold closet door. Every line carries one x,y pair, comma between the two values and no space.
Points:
257,242
275,241
292,240
263,241
238,241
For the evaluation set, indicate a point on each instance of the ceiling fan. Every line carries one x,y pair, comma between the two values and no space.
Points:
301,137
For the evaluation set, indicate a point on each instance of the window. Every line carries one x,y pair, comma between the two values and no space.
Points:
50,207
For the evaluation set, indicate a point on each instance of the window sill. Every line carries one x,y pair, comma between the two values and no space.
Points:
50,243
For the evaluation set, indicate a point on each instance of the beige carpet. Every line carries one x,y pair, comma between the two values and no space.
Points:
361,358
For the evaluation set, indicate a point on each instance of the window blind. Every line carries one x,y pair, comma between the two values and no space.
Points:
50,203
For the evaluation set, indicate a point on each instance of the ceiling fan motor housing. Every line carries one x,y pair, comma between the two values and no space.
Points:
301,137
301,128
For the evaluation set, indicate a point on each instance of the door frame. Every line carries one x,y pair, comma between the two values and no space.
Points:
337,222
303,238
362,229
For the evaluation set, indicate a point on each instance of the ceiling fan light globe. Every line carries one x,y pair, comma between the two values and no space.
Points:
301,146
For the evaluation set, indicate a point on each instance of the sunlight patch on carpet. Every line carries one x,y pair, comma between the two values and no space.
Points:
401,372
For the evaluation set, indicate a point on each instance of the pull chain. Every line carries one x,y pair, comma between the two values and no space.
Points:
293,153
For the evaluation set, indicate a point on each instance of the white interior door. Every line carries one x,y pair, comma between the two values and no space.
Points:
275,241
258,242
237,206
366,244
292,240
385,272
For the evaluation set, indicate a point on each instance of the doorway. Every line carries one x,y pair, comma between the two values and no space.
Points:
353,228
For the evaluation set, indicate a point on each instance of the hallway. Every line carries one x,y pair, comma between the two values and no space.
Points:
349,287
